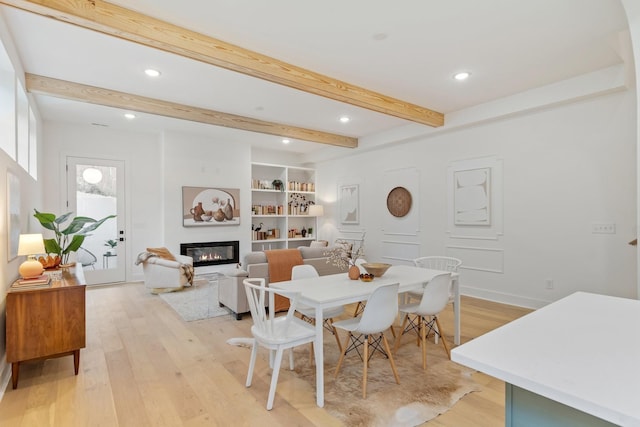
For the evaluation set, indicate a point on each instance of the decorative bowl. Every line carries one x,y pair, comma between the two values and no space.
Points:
366,277
376,268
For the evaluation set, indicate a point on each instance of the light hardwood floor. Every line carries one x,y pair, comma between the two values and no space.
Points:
144,366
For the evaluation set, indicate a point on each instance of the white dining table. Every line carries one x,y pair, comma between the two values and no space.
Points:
337,289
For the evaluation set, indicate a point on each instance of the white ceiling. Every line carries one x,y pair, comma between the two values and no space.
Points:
509,46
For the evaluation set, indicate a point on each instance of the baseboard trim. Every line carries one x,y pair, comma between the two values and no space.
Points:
503,298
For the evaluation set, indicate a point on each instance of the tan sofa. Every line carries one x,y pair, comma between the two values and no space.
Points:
231,292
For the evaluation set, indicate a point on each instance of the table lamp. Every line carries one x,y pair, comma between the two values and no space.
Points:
316,210
30,245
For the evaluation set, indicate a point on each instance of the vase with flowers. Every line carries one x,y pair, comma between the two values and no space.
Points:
345,255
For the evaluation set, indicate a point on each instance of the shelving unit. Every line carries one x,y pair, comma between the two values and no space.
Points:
280,214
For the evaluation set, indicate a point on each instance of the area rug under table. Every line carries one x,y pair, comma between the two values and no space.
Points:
196,302
420,396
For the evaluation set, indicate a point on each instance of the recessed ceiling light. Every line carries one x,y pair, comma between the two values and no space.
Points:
151,72
286,141
380,36
344,119
464,75
130,116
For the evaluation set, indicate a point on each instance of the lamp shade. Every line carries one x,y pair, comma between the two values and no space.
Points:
31,244
316,210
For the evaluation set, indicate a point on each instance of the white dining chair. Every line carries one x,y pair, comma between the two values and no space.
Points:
422,317
442,263
307,313
274,333
368,330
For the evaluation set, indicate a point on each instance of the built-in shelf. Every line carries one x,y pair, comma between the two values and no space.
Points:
280,213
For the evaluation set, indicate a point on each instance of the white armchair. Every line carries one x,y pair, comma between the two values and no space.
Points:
166,275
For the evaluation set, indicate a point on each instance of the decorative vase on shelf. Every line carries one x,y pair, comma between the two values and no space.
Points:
304,232
354,272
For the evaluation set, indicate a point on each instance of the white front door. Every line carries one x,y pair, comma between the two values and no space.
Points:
96,190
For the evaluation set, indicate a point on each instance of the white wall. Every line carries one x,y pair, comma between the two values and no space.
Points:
157,166
143,177
198,161
564,168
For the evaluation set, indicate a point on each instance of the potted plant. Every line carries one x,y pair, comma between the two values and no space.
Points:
67,238
111,244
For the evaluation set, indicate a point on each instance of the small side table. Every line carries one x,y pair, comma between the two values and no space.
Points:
105,259
46,322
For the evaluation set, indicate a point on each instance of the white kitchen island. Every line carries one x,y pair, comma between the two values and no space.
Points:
575,362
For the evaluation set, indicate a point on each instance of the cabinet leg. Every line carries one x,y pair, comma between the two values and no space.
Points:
15,371
76,360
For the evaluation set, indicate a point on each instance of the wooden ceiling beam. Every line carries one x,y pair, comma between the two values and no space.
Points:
133,26
111,98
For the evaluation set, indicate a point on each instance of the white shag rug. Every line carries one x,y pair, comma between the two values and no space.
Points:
196,302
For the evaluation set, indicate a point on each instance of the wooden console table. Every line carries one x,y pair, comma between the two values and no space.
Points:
46,322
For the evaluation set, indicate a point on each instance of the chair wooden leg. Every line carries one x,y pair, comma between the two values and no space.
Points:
423,339
358,308
398,338
444,341
344,351
393,363
366,366
335,334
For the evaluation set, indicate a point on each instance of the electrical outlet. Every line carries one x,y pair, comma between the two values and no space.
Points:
548,283
603,228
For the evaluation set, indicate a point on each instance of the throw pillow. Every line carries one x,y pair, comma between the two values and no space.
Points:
162,253
319,244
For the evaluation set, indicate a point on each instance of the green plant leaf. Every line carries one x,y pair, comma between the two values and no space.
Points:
75,244
61,219
77,230
51,246
96,224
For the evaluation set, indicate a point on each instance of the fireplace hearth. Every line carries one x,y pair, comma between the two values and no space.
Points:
212,253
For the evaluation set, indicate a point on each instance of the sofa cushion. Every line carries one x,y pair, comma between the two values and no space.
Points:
254,258
308,252
319,244
162,253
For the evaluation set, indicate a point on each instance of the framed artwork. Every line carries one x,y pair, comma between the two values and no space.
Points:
13,214
472,197
205,206
349,204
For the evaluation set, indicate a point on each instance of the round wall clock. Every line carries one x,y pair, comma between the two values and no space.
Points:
399,202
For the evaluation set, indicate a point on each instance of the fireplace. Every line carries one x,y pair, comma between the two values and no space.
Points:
212,253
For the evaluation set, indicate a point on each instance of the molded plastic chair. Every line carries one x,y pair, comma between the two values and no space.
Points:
434,299
305,271
368,330
274,333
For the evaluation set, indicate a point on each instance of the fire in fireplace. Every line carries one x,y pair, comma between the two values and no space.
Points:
212,253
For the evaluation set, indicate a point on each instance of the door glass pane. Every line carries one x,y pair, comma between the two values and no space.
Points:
96,198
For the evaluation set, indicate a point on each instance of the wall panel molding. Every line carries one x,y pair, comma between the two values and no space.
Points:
490,260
